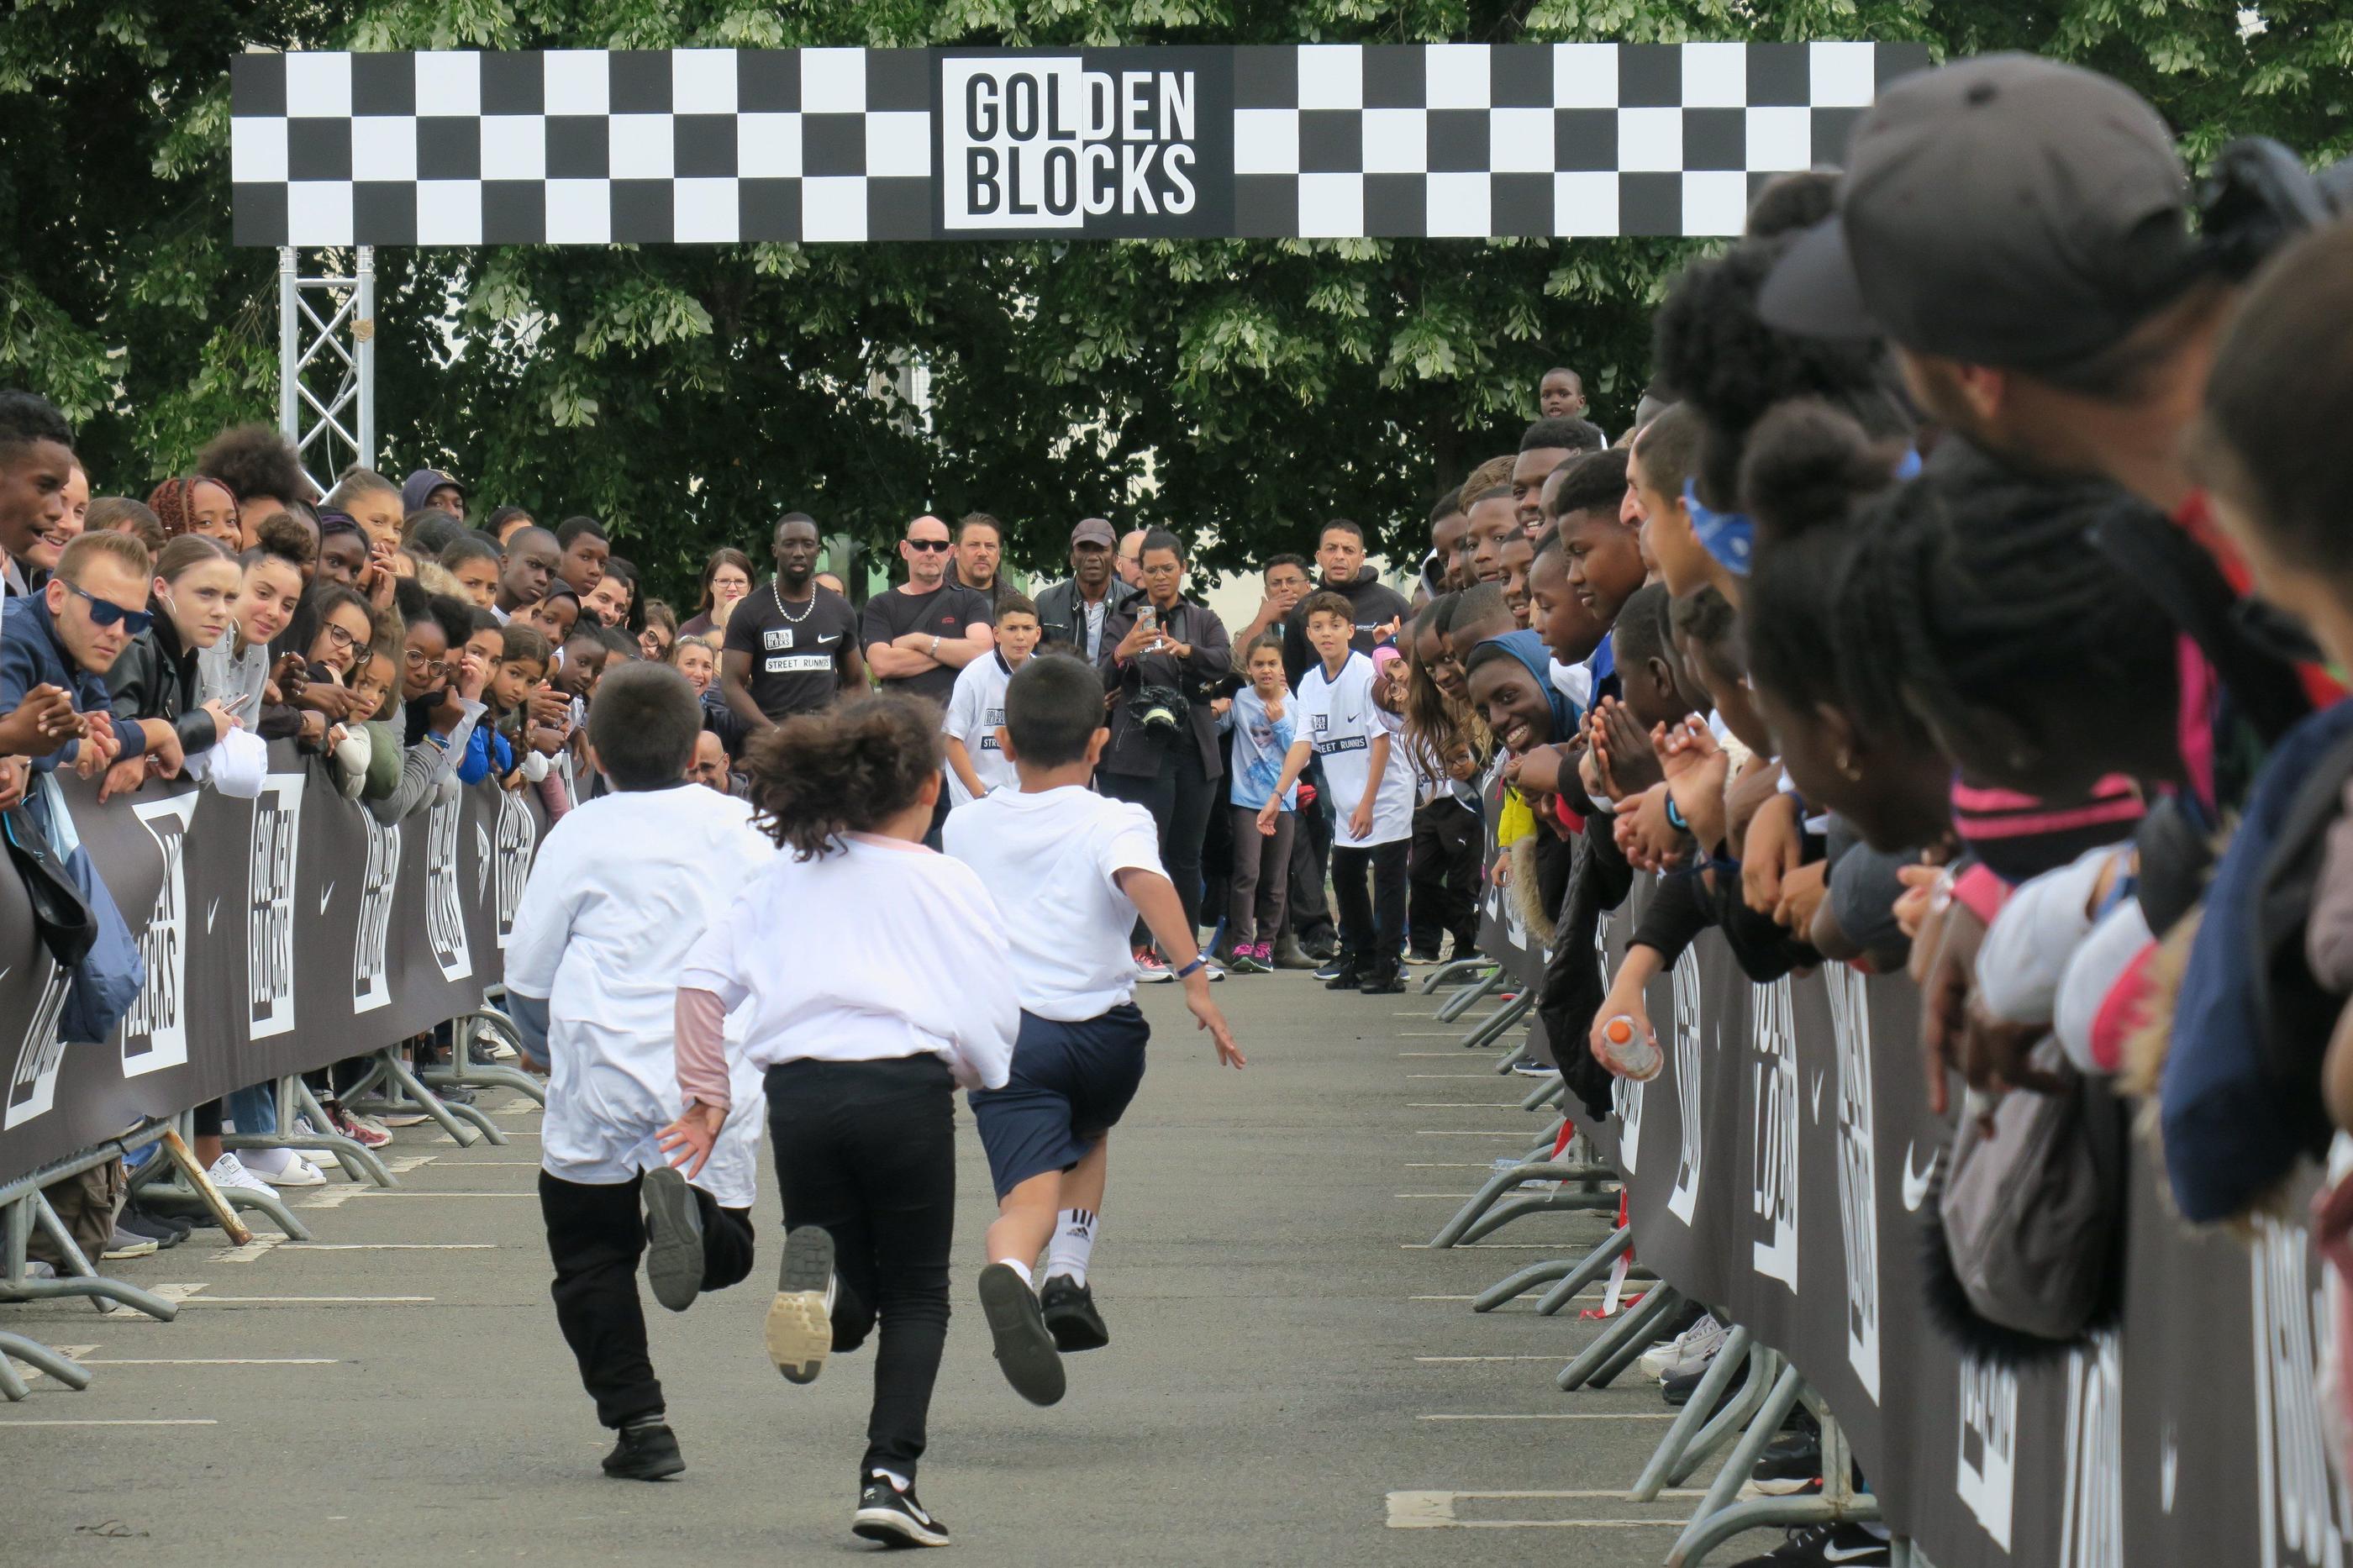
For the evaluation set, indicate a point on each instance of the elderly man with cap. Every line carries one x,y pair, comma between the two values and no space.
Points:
430,488
1074,613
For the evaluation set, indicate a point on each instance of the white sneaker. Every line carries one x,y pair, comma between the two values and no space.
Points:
1213,971
299,1172
1700,1346
323,1158
1661,1358
228,1171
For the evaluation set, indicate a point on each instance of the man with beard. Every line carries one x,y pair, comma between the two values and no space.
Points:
980,558
792,643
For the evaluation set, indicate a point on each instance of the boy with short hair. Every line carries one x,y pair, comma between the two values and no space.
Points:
976,711
1078,868
622,889
1371,785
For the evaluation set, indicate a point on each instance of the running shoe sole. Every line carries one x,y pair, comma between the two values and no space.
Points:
800,1331
892,1527
1025,1351
673,1239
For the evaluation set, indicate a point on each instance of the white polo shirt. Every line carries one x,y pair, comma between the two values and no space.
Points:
975,711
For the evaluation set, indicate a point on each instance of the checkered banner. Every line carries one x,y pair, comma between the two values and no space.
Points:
720,146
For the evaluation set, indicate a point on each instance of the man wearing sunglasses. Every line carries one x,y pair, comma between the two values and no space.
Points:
63,640
921,633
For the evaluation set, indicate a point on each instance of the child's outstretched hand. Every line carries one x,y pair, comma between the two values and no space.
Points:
1197,1000
687,1142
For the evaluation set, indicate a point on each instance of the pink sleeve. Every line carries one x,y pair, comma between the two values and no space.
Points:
701,1025
552,796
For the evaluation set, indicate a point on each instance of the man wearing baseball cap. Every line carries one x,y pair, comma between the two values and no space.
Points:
1073,613
2018,230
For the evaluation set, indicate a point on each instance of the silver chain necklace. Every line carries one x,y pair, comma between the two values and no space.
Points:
790,618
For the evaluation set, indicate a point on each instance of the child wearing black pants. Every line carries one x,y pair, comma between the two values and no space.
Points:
620,891
869,979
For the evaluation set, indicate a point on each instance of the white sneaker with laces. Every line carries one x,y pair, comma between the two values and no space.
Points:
1700,1346
228,1171
1659,1359
299,1172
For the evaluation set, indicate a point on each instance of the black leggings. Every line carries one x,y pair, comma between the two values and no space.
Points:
867,1151
1180,797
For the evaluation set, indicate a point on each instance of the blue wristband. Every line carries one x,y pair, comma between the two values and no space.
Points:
1675,816
1200,960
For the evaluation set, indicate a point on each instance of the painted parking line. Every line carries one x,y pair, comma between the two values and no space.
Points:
241,1360
32,1373
306,1301
1567,1415
119,1421
1436,1510
1449,1360
1463,1105
392,1246
1456,1197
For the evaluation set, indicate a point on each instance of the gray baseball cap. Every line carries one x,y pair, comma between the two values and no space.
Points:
1094,530
2007,210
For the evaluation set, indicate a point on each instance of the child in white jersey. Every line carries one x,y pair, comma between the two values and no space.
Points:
977,708
1371,784
621,890
1264,721
873,976
1077,869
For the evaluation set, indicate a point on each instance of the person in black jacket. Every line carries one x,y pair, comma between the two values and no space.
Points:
1166,644
153,683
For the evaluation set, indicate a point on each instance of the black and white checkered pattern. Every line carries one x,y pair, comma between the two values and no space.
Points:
698,146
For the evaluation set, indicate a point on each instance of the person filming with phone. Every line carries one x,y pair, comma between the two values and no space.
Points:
1166,658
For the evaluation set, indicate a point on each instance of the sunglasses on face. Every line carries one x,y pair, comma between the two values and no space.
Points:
106,612
937,546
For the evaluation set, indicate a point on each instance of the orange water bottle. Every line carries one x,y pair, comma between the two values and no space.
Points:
1630,1050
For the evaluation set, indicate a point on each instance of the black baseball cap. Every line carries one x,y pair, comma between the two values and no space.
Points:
2007,210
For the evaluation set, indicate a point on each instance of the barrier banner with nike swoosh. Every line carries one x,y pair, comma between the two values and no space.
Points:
1779,1167
280,934
1503,935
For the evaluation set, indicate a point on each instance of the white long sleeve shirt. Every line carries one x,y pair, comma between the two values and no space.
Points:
880,949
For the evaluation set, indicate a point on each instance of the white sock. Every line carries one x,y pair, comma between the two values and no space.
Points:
1073,1244
898,1483
1017,1266
267,1162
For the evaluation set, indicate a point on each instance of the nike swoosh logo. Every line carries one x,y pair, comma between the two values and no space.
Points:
2169,1467
325,894
1916,1182
1832,1552
823,641
1818,1096
212,911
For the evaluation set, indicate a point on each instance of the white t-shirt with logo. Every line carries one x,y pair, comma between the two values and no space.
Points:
975,709
1050,860
623,887
1340,719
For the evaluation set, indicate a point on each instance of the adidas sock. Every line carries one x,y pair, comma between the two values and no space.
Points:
1073,1244
1019,1267
645,1418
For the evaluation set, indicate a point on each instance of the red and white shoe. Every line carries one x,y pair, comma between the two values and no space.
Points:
1149,968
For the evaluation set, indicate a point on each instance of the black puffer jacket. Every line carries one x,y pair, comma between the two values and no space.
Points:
156,678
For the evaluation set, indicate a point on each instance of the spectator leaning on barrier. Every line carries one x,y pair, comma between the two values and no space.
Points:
36,464
56,648
193,600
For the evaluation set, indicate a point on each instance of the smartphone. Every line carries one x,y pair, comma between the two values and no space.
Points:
1147,616
238,703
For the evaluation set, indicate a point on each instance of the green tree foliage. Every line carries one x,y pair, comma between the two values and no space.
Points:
687,395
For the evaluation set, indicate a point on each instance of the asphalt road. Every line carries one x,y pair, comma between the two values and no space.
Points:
1291,1375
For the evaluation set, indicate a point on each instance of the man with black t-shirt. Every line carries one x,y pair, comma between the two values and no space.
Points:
922,632
792,643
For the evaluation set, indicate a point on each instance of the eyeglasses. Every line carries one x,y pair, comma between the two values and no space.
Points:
418,662
106,612
339,639
937,546
1165,569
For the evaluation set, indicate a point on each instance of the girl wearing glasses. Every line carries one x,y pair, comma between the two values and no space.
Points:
154,684
433,629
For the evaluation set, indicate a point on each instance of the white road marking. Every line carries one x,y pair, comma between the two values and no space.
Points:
254,1360
1462,1105
1443,1299
400,1165
1491,1246
1447,1166
1435,1511
1465,1076
1520,1133
1440,1360
1457,1196
392,1246
263,1241
15,1421
308,1301
173,1293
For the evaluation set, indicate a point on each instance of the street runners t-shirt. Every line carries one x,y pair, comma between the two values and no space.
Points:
1340,719
1259,745
623,887
946,612
976,709
1050,860
796,648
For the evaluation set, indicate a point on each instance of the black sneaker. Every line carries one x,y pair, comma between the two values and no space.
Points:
1843,1545
1068,1309
673,1238
1791,1465
1382,979
1341,974
648,1453
1025,1351
895,1518
164,1231
801,1320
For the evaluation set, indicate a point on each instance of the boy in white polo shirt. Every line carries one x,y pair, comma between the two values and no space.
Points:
620,891
1371,784
976,766
1076,868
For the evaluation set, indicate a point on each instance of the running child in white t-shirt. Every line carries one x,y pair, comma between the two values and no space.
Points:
1073,870
976,766
619,892
1371,784
872,976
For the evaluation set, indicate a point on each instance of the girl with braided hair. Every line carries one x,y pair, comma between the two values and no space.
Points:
195,504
